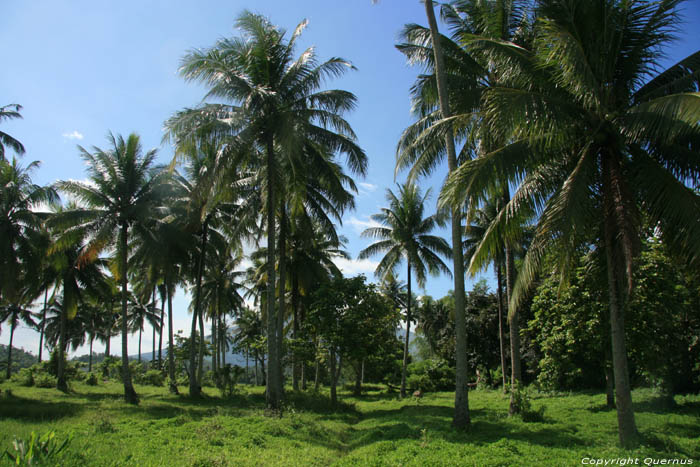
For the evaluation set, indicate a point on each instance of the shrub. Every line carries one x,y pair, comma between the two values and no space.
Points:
430,375
25,377
37,449
152,378
44,380
91,379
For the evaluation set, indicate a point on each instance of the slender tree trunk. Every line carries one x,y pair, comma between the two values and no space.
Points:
9,349
160,332
408,332
609,385
153,354
295,327
461,414
92,338
255,360
172,383
515,376
247,369
140,332
501,337
223,348
317,376
362,373
195,388
43,321
358,379
61,383
214,345
200,353
282,294
110,320
129,394
612,202
273,395
334,396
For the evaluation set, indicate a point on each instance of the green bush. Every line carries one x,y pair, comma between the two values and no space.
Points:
430,375
152,378
44,380
24,377
91,379
37,449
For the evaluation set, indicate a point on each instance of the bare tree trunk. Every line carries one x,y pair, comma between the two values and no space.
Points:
172,383
214,345
295,328
9,349
282,294
92,338
129,392
461,414
273,395
334,396
43,321
501,337
195,388
61,383
408,332
160,333
153,353
140,332
516,374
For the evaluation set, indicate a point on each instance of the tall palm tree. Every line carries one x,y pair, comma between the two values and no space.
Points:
139,313
9,112
122,193
274,104
601,136
405,234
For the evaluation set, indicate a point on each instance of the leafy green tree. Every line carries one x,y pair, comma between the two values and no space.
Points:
405,234
122,193
352,319
8,112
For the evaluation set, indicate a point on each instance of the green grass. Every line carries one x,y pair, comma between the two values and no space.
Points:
376,429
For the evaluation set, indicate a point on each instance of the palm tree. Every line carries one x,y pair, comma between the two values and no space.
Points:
140,313
14,314
21,229
274,104
406,234
601,136
123,192
8,112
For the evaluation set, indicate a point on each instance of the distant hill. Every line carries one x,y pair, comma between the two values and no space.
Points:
20,358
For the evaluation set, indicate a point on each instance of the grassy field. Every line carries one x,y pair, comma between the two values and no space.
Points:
376,429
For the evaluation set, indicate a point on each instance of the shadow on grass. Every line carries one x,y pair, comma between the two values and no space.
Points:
35,410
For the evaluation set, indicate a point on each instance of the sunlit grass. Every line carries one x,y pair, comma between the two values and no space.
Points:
376,429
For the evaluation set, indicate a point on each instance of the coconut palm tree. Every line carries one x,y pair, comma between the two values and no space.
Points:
8,112
274,104
123,192
141,312
15,313
602,136
405,234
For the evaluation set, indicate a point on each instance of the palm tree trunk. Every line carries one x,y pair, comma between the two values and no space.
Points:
273,396
627,428
153,354
200,359
140,332
195,389
282,295
160,332
110,320
408,332
516,374
9,350
61,383
461,414
172,384
334,396
295,327
247,371
92,338
43,320
499,292
129,392
214,345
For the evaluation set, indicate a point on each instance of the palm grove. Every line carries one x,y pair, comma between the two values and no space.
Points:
573,172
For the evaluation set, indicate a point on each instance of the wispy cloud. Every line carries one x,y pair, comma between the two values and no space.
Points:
351,267
75,134
360,225
368,186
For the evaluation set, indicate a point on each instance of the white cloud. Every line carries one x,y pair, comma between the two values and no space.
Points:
360,225
367,186
74,135
352,267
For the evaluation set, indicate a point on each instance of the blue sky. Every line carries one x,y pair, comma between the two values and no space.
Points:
83,68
